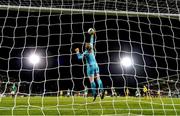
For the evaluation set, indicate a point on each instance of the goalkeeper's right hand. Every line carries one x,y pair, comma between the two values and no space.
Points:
77,50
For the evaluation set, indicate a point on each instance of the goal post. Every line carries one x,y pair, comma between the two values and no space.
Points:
85,11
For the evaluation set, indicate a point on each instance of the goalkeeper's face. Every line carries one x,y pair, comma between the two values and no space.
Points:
88,46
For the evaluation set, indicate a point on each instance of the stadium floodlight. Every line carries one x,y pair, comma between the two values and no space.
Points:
126,62
34,59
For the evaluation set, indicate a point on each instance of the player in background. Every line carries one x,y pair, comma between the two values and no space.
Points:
13,89
61,93
113,92
68,92
169,93
159,93
92,66
145,90
127,92
85,91
138,93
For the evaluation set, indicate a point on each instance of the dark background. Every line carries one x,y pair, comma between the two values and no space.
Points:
153,42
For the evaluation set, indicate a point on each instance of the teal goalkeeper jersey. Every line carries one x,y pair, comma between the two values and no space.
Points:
89,55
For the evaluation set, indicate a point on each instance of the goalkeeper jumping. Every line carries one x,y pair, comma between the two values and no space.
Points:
92,66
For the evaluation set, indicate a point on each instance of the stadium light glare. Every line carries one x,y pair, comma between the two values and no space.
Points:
126,62
34,59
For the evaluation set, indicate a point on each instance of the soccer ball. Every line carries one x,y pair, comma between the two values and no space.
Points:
91,31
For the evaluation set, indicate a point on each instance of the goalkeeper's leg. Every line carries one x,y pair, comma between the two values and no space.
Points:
93,87
100,84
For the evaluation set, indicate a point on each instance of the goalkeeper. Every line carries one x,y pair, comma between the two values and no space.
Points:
92,66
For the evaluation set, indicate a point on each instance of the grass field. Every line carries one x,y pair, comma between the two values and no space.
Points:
85,106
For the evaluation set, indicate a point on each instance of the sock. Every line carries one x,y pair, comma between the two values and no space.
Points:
93,87
100,85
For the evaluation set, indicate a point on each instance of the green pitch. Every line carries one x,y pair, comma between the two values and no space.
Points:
85,106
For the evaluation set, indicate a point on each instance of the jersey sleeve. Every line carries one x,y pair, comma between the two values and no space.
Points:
80,56
92,40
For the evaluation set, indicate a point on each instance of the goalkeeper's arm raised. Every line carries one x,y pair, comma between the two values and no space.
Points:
92,40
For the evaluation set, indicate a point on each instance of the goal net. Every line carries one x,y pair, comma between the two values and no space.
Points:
137,46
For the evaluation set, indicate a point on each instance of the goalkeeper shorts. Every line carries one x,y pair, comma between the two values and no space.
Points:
92,70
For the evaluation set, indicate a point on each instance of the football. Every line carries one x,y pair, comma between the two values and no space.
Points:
91,31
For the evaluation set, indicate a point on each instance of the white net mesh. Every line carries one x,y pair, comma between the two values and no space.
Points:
136,46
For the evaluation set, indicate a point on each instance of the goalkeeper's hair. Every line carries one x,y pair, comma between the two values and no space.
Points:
88,46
